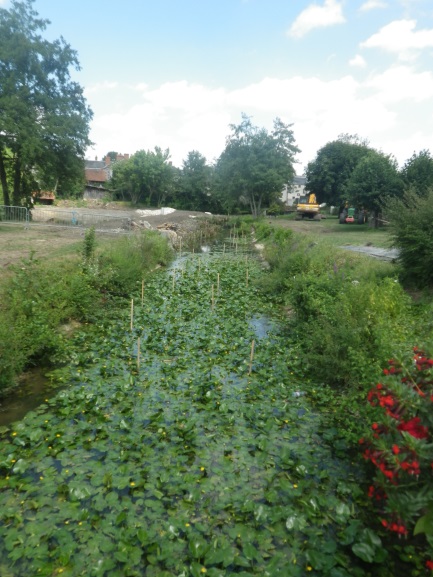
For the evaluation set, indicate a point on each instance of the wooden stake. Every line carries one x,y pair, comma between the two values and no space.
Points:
251,357
132,314
138,352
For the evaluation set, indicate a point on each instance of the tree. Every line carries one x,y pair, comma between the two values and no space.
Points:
255,164
417,172
374,179
44,118
147,176
412,232
328,174
195,186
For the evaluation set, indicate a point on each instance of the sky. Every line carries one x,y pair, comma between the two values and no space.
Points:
177,73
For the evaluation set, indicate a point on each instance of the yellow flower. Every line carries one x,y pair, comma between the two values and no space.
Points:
309,568
187,525
132,484
201,468
14,434
41,478
58,435
295,486
203,570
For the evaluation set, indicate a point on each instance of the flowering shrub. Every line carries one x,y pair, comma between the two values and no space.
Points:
400,446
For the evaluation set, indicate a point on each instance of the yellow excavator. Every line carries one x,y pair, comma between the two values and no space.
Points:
308,207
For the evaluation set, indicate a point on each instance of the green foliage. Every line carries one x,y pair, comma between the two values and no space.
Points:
147,176
348,312
328,174
44,116
255,165
417,172
189,462
195,186
374,179
412,233
39,297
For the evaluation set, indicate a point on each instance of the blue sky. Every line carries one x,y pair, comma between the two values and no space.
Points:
177,73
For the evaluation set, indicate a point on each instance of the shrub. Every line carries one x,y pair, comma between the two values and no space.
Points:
412,232
400,447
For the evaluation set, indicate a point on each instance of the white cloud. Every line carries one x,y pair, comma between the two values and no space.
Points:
372,5
358,61
401,38
316,16
401,83
183,116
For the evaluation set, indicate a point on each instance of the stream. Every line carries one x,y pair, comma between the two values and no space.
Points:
184,444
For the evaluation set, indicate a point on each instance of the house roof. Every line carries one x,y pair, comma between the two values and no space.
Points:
96,175
94,164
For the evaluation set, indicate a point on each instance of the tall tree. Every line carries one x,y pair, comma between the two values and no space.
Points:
417,172
44,118
256,164
374,180
328,174
147,176
195,186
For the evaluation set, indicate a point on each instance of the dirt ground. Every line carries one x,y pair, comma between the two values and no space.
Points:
44,241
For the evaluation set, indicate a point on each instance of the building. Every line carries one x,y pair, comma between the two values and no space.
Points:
294,190
98,173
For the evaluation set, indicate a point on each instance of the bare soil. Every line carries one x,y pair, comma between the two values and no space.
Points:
44,241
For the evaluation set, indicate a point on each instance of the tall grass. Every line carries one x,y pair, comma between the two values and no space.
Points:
39,296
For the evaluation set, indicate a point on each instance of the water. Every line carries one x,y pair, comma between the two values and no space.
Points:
34,388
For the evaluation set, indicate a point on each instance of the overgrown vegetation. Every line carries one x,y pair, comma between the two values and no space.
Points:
412,232
40,296
184,453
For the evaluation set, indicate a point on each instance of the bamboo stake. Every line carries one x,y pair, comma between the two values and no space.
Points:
251,357
138,352
142,292
132,314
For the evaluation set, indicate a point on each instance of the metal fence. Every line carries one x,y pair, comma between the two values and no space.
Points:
14,214
48,216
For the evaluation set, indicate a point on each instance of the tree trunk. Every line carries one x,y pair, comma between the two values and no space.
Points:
4,182
17,183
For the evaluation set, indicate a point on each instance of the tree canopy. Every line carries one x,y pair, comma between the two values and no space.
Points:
417,172
374,179
256,164
328,174
195,186
44,117
147,176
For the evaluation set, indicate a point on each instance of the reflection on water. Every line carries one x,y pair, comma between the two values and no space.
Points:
34,387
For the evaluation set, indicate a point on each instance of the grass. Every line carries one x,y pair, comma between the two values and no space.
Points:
335,233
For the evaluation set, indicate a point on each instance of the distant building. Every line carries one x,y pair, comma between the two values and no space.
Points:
294,190
98,173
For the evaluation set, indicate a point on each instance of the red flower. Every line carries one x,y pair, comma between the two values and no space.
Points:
395,449
429,565
414,428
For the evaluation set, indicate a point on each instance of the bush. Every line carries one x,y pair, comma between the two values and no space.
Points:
39,297
412,232
400,447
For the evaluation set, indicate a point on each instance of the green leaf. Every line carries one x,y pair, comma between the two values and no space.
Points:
364,551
